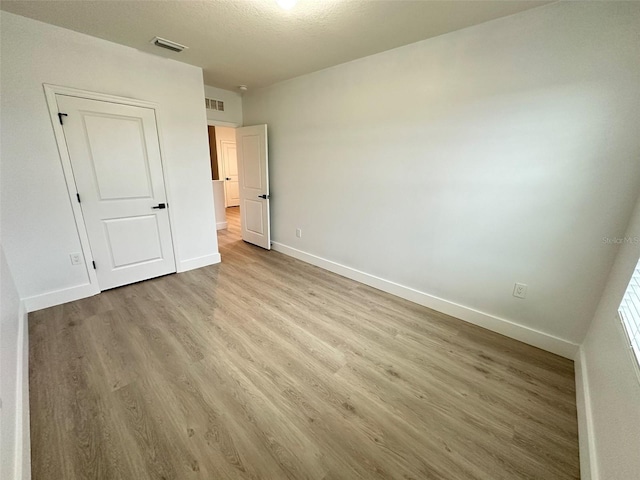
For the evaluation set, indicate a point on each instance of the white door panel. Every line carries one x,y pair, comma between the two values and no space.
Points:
117,146
233,194
231,156
133,240
252,170
115,157
230,165
253,167
252,210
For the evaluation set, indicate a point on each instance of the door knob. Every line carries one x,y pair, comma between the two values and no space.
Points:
228,178
263,196
160,206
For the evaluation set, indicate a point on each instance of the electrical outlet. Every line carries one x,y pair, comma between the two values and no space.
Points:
520,290
299,232
76,258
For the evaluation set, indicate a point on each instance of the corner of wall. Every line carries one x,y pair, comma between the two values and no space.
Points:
58,297
23,431
586,439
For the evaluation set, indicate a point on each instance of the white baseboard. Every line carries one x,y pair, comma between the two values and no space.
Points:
198,262
222,225
23,435
588,462
58,297
539,339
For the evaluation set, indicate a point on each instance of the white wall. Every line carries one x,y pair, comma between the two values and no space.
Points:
219,202
608,380
461,164
9,351
226,134
232,106
36,214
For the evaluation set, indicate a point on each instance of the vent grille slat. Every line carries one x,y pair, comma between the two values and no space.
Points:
168,44
213,104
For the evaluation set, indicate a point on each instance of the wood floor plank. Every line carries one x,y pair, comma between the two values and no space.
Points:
264,367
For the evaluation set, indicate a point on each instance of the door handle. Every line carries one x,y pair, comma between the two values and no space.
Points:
266,197
228,178
160,206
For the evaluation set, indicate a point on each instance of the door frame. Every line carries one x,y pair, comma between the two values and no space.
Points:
50,92
219,123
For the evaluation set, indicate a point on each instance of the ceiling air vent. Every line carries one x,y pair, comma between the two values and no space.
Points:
212,104
168,44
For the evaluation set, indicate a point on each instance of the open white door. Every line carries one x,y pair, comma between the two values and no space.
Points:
115,157
253,176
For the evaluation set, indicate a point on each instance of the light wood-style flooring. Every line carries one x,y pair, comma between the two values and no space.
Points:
264,367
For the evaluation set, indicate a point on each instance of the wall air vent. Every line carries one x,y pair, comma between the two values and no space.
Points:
212,104
168,44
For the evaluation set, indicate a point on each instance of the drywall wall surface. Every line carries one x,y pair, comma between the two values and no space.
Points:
613,380
38,224
226,134
221,211
462,164
232,105
9,351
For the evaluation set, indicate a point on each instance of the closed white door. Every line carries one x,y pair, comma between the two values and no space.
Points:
115,157
230,165
253,170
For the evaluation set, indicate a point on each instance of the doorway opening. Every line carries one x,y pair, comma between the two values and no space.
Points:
240,176
224,172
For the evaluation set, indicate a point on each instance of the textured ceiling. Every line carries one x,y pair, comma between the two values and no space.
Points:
255,42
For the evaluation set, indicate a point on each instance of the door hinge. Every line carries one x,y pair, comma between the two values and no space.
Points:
60,115
78,196
94,264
